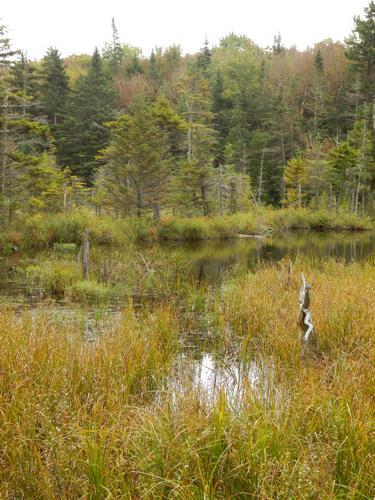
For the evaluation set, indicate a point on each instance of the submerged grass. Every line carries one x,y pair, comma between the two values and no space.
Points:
96,420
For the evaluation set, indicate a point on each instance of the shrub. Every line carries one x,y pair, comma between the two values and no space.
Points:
53,276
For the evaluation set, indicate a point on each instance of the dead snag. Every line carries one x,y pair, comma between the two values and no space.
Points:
85,254
309,344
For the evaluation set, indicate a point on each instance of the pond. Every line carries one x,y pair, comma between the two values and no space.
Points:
211,259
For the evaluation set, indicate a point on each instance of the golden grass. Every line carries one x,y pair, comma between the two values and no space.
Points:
82,420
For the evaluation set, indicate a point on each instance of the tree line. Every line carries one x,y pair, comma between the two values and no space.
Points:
220,131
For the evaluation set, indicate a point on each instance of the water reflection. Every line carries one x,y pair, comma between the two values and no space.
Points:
212,376
210,259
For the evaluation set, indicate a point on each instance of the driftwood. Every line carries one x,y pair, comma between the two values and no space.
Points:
85,254
253,236
309,344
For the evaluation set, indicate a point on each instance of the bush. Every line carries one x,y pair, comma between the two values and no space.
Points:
54,277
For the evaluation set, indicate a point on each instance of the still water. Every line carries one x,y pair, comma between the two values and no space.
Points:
211,259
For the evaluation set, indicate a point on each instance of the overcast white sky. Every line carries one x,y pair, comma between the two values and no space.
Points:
77,26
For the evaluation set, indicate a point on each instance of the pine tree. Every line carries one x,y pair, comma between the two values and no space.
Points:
53,87
83,133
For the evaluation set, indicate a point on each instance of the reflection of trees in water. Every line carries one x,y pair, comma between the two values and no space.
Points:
212,259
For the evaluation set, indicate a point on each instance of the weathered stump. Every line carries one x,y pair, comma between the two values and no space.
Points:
309,343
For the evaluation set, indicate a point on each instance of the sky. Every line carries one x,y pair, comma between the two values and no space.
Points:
77,26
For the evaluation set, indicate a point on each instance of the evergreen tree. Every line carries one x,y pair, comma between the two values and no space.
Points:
53,87
361,50
6,52
343,160
219,119
113,52
88,108
138,162
295,179
25,85
277,47
197,172
318,91
204,57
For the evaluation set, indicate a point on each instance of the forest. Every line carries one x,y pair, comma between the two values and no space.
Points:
230,128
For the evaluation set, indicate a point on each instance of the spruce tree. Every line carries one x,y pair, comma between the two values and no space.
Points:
138,162
25,85
361,49
53,87
83,132
6,52
113,52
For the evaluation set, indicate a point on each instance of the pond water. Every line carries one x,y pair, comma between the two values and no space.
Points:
211,376
211,259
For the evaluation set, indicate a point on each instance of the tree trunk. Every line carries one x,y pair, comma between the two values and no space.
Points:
220,191
189,136
156,211
361,166
139,201
4,148
261,179
65,199
204,199
85,254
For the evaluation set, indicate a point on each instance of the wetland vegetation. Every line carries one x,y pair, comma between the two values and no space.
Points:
156,216
179,374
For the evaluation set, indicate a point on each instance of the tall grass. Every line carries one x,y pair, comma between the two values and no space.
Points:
47,230
97,420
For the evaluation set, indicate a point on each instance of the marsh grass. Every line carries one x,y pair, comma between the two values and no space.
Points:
47,230
81,419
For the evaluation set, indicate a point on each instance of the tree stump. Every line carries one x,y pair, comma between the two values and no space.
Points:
309,343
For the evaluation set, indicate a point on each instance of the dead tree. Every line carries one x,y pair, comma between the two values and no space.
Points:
85,254
309,344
